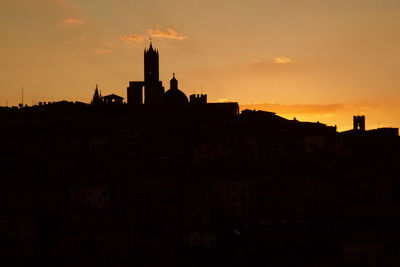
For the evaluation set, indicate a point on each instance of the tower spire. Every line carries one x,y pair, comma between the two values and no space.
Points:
173,82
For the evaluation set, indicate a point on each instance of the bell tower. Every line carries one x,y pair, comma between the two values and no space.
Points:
151,66
153,89
359,123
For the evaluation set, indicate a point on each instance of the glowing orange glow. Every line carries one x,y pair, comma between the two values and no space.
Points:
71,21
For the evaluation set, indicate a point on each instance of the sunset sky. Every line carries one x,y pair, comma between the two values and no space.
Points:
316,60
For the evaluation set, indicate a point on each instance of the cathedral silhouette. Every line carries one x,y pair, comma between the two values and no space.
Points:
151,91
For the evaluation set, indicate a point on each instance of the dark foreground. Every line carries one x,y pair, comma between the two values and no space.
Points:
121,186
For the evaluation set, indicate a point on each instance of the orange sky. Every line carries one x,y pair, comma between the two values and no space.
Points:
310,59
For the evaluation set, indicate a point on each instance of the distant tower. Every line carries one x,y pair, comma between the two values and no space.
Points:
359,123
151,65
198,99
135,93
153,89
96,97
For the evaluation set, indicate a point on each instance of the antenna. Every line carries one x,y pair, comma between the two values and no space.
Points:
22,102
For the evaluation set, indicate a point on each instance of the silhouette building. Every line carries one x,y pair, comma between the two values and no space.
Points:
96,97
198,99
174,96
149,96
154,93
359,123
112,99
153,88
108,99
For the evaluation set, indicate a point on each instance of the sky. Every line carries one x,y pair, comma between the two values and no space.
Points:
316,60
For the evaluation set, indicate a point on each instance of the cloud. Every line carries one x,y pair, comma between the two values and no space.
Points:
133,38
156,33
72,21
103,51
169,34
282,60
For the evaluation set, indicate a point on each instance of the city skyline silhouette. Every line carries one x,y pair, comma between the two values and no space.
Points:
167,179
313,61
199,133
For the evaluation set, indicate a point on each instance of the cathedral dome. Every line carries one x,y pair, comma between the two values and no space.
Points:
174,96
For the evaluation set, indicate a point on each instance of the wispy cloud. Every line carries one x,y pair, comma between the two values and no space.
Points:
72,21
169,34
156,33
133,38
282,60
103,51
